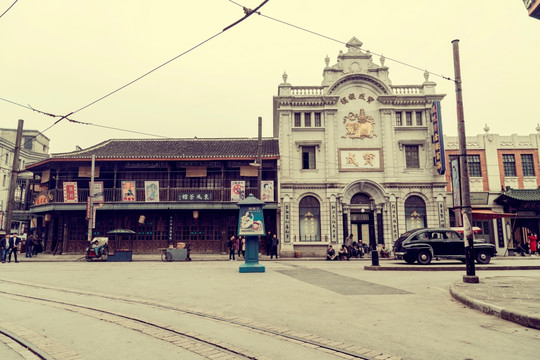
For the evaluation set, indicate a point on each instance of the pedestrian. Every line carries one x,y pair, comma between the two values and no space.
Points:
232,248
239,246
4,247
330,253
243,246
268,243
14,242
29,245
533,242
274,246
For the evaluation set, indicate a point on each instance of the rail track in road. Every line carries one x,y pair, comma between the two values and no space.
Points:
203,345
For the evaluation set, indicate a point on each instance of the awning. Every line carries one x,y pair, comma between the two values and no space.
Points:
484,214
461,229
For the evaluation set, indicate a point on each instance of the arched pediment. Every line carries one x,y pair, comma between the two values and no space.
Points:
372,188
377,85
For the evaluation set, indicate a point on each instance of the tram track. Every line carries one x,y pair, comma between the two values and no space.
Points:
188,340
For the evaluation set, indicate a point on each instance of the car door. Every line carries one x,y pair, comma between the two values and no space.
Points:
437,242
454,244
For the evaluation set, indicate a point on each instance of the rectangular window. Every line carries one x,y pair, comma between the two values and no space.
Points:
4,181
509,165
527,164
408,118
317,119
7,159
297,119
307,119
399,122
475,169
418,118
412,159
27,143
308,157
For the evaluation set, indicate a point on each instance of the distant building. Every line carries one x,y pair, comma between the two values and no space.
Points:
504,177
356,156
34,147
167,191
533,8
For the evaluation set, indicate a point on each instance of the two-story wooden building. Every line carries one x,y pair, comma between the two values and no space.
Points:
167,191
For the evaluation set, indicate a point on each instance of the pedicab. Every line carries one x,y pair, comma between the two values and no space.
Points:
98,249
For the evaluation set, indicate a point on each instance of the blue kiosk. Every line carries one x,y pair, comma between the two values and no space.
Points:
251,225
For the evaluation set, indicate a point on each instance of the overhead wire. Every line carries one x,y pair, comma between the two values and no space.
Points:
9,8
344,43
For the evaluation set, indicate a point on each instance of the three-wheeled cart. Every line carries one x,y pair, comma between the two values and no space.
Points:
176,254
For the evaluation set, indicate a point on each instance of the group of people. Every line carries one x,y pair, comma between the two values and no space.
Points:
351,248
237,246
10,244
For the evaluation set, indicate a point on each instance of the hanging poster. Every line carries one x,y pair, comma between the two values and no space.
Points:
267,193
98,192
151,191
70,192
128,191
238,190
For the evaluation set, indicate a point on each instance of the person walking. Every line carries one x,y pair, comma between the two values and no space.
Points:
232,248
14,242
243,246
268,243
533,243
273,251
4,247
239,245
29,245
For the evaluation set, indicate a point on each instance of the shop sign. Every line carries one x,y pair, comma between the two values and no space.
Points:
438,140
196,196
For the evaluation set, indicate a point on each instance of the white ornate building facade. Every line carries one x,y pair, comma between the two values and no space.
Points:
356,157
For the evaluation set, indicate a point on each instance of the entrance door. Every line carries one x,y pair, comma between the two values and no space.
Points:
362,228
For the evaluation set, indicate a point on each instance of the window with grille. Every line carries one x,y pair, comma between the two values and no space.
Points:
475,169
527,164
317,119
307,119
310,222
412,160
297,119
509,165
408,118
399,121
418,118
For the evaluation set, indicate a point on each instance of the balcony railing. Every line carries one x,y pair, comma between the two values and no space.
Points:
178,195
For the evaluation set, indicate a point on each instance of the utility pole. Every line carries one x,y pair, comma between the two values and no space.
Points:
14,173
465,188
259,160
91,202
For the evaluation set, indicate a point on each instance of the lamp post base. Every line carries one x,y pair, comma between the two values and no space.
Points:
251,268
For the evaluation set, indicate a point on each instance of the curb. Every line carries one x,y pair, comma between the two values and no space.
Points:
515,316
449,268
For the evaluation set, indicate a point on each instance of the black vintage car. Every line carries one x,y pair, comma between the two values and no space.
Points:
423,245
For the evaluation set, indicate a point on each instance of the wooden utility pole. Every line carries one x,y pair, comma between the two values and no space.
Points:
91,202
14,173
465,189
259,160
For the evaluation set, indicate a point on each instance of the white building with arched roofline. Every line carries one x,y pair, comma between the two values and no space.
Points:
357,156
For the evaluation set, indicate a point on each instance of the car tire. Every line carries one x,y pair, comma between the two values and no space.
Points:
482,257
424,257
409,260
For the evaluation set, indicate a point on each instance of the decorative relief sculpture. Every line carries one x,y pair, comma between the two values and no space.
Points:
359,126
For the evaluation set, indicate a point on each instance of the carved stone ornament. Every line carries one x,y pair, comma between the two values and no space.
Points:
359,126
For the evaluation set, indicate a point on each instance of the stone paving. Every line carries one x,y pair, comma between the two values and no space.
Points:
511,298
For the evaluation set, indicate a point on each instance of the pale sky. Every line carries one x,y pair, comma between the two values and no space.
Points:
61,55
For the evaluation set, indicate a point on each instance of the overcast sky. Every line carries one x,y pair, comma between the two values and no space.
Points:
60,55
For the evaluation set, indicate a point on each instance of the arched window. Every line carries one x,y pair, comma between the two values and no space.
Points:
310,219
415,212
360,199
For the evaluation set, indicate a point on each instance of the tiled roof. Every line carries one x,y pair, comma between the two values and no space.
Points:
176,149
522,194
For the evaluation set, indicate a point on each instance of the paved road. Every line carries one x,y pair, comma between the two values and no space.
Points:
405,314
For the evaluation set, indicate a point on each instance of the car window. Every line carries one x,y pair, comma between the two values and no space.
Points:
453,235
